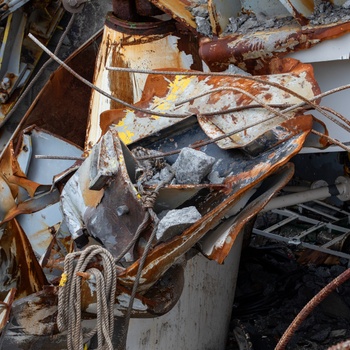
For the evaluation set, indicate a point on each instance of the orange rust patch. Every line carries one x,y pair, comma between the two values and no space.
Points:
91,198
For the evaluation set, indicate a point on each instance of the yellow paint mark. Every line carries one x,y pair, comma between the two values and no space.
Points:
124,134
63,280
6,33
176,88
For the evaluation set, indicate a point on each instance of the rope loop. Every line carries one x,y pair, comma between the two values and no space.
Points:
149,199
69,297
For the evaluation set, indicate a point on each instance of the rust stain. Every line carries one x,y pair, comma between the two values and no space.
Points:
220,253
22,265
30,186
309,4
299,123
91,198
218,53
120,82
166,254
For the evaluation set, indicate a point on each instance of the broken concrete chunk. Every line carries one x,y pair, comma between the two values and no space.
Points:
203,26
192,166
200,11
175,222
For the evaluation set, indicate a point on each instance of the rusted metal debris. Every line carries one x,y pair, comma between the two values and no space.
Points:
201,95
247,128
253,51
18,55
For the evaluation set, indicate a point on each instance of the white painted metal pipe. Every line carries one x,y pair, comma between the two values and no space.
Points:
341,189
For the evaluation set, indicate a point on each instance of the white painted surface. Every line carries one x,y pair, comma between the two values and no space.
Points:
329,75
37,225
331,63
328,50
144,55
200,319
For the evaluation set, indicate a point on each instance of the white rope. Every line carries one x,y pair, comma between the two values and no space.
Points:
69,297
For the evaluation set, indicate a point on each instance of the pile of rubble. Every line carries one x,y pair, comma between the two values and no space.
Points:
273,286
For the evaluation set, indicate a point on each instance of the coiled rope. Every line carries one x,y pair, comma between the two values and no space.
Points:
69,297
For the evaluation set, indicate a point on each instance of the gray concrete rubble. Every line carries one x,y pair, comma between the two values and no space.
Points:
192,166
176,221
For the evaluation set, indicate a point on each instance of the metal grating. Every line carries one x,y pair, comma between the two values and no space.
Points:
315,225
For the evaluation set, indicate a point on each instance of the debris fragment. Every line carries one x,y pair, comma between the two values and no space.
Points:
175,222
192,166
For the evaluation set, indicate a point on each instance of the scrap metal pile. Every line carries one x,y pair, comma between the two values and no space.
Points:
179,172
18,55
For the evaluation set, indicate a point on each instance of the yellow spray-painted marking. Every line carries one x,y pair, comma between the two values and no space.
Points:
6,33
124,134
177,87
63,280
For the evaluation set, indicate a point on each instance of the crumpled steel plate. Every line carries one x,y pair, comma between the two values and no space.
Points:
96,211
165,93
254,51
217,244
246,173
18,265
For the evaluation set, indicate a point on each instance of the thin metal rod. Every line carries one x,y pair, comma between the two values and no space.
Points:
221,74
310,306
332,140
44,156
241,108
337,114
305,100
272,110
102,92
266,106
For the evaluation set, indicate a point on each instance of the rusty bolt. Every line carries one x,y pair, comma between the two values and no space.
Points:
4,96
52,230
84,275
6,83
122,210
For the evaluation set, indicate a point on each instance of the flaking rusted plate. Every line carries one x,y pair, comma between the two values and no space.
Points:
18,265
255,170
217,244
253,51
184,95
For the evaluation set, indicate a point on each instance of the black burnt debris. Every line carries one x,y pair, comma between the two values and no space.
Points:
272,288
